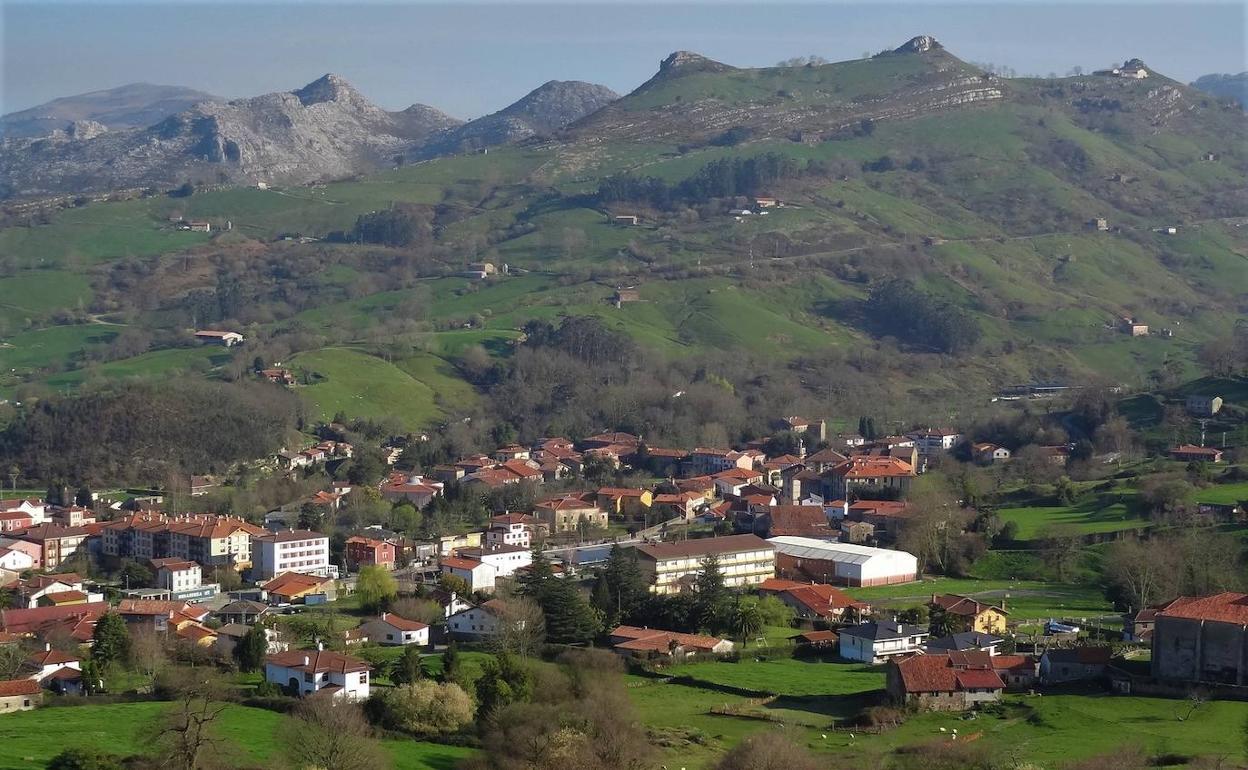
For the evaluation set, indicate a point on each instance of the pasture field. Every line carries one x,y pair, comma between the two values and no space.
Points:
363,385
1085,518
1025,599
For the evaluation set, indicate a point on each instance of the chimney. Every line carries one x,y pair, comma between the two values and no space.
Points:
307,661
47,647
320,646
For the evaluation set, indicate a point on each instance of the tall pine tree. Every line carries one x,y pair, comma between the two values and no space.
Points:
569,617
714,599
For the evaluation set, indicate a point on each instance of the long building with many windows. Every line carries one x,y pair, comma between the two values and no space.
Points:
291,550
206,539
744,560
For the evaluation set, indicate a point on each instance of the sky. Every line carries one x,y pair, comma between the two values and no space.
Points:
471,58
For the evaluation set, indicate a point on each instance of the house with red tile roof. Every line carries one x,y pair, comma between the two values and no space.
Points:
952,682
20,695
816,601
1074,664
563,513
631,641
416,490
369,552
1193,453
969,614
1202,639
307,672
290,587
862,473
618,501
794,520
389,629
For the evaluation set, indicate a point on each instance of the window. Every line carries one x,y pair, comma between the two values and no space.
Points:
309,677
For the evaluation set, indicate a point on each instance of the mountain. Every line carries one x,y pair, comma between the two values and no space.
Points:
1225,85
136,105
324,130
544,110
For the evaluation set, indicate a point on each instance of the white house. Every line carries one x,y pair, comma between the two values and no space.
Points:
482,567
878,641
475,623
177,575
304,672
932,441
390,629
510,529
215,337
292,550
48,661
33,507
479,576
15,560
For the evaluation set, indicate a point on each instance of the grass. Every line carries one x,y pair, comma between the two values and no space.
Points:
33,295
1224,494
55,345
29,739
1084,518
350,380
1024,599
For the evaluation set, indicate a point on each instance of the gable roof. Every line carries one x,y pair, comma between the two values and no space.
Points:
1226,607
799,520
883,629
401,623
658,640
873,466
948,673
293,584
13,687
964,606
24,621
704,547
317,661
961,642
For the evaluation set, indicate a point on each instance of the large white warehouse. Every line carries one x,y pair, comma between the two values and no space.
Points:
805,558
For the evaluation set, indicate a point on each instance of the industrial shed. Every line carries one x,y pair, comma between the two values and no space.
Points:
805,558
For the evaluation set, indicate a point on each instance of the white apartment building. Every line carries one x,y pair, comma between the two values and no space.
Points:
177,575
510,529
291,550
744,560
933,441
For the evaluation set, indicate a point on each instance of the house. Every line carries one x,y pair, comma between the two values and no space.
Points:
289,587
483,567
75,620
1074,664
948,682
704,461
877,641
55,543
1133,328
389,629
564,513
1017,671
230,634
510,529
475,624
1192,453
815,601
42,666
623,295
20,695
968,614
933,441
630,220
448,544
278,376
625,502
216,337
305,672
412,489
1202,639
161,616
292,550
15,560
987,453
964,641
29,593
33,508
369,552
477,574
196,226
1203,406
793,520
681,505
1100,224
885,516
669,568
816,430
634,642
804,558
183,579
816,640
870,473
766,203
242,612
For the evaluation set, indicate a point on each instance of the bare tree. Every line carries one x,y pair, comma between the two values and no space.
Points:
768,750
186,738
521,627
331,734
147,653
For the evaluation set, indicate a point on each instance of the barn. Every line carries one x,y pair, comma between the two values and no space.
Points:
806,559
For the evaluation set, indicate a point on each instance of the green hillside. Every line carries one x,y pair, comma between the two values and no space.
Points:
979,190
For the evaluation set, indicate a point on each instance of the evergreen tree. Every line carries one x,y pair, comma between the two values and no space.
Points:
862,427
82,497
624,584
569,617
450,662
252,648
503,680
602,601
713,599
409,667
534,580
111,639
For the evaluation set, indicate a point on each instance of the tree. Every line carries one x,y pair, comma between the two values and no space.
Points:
330,734
376,587
1142,571
454,584
1060,546
252,648
450,662
537,576
83,497
187,734
409,667
111,639
932,530
147,652
427,708
569,617
625,587
503,680
132,574
747,619
520,626
768,750
85,759
713,609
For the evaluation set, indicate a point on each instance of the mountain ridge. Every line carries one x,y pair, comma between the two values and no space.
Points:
133,105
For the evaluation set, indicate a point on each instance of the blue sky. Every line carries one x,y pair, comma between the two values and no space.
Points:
470,58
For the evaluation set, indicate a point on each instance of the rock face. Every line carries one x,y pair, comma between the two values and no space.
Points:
542,111
137,105
919,44
324,130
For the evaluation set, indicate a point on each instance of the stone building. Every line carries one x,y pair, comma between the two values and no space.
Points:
1202,639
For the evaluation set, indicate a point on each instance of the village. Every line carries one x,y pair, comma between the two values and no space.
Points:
796,541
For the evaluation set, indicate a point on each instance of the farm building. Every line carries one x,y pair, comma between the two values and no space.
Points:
1202,639
804,558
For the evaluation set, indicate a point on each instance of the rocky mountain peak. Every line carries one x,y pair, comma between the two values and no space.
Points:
85,129
920,44
681,62
328,88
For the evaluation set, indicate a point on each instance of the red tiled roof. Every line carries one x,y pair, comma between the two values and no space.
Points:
621,492
566,503
1226,607
456,562
401,623
52,658
814,637
12,687
869,466
318,661
658,640
293,584
65,597
1013,662
963,605
797,520
24,621
948,673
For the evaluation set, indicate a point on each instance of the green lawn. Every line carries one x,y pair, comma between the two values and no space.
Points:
1085,518
1224,494
29,739
55,345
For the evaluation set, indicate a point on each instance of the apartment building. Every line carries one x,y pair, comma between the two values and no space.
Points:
744,560
291,550
207,539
